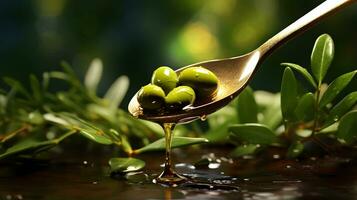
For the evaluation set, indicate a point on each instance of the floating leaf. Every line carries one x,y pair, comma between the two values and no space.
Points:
253,134
247,107
176,142
341,108
93,75
117,91
347,129
305,107
302,71
295,149
289,94
125,165
243,150
335,88
322,56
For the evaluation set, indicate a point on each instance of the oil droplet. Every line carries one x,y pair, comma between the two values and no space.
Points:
85,162
214,165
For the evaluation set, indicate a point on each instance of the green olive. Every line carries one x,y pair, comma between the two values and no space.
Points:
164,77
151,97
180,97
202,80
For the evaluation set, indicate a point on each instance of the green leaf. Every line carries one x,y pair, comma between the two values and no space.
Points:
305,107
125,165
117,91
289,94
347,129
86,129
322,56
218,123
219,133
176,142
247,107
36,87
243,150
33,146
253,134
341,108
17,86
25,146
126,145
295,149
93,75
336,87
303,72
269,104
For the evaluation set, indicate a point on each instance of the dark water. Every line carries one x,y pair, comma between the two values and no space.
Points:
78,176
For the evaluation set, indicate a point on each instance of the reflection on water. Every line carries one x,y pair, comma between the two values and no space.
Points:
72,178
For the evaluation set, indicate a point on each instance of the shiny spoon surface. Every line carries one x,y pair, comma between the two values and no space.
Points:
235,73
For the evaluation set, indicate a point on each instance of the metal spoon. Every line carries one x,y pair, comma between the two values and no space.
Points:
235,73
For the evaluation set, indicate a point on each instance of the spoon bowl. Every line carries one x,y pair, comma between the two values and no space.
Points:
235,73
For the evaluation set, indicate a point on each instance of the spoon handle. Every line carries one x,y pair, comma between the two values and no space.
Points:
305,22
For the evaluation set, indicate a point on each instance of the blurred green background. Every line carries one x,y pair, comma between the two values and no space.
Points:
134,37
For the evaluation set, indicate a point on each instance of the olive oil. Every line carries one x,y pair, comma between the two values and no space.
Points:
169,176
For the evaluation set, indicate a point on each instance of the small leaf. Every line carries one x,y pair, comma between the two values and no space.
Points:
247,107
347,129
218,123
289,94
336,87
176,142
341,108
126,145
270,108
305,107
36,87
253,134
93,75
303,72
125,165
295,149
243,150
94,135
85,128
322,56
33,146
117,91
25,146
219,133
17,86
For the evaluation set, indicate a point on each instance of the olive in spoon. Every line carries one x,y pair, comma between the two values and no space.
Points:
235,73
